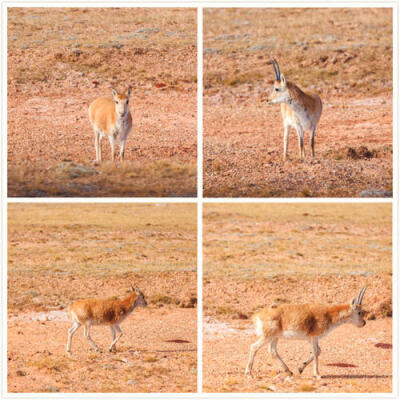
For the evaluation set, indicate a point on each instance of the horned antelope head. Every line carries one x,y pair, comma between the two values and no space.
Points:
280,92
140,300
121,102
356,317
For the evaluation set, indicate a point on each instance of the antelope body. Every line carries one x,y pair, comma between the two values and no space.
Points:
300,110
103,312
309,322
111,118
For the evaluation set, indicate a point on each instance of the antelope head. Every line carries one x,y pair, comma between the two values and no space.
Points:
140,300
121,102
356,317
280,92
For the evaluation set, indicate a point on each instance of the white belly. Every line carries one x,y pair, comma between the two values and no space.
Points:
294,335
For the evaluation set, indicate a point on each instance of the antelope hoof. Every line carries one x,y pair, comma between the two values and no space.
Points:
300,369
69,353
249,374
112,349
318,376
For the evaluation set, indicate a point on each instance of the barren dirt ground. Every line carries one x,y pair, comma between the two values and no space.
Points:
298,253
243,135
151,247
59,61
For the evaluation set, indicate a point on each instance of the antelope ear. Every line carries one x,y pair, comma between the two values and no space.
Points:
353,302
283,80
132,288
137,291
114,92
128,93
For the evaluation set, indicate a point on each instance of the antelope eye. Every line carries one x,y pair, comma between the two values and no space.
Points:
359,313
276,89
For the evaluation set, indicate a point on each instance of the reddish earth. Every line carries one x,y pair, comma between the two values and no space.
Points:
345,55
59,253
350,360
146,360
157,352
243,141
54,76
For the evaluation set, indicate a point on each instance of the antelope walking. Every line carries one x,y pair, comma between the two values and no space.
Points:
309,322
103,312
300,110
111,118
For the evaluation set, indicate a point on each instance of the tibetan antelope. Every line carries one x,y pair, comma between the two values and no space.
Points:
309,322
103,312
300,110
111,118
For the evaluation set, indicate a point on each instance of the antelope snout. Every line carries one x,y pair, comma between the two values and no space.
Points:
142,303
361,323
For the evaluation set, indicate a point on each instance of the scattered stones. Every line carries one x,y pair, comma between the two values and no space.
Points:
210,50
376,193
51,389
260,47
75,170
148,30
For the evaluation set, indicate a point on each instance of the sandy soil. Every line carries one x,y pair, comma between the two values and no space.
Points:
243,158
226,347
228,333
243,135
297,253
53,77
149,246
147,358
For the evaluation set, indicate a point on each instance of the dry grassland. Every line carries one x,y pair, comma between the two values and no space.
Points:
58,253
61,59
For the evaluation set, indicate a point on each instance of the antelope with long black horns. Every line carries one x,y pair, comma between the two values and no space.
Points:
300,110
309,322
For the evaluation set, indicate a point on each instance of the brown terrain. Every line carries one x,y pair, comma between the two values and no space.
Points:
345,55
296,253
60,253
60,60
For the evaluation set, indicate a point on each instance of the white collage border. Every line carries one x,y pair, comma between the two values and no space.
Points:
200,5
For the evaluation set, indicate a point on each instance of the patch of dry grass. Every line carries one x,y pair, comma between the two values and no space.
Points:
101,239
49,363
257,240
156,179
316,47
75,42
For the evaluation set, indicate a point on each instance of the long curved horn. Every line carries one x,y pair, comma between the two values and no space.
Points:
276,72
361,295
279,71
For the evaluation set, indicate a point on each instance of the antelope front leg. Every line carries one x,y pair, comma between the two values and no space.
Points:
300,137
312,136
71,331
122,150
285,141
87,335
275,355
115,340
253,350
112,144
305,363
316,352
96,143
